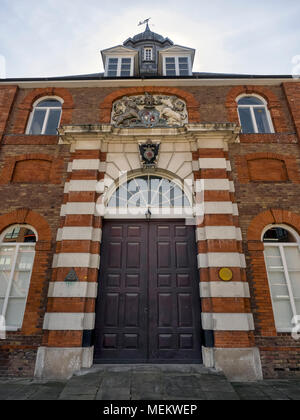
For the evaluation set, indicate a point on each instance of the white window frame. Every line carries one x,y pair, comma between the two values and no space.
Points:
284,268
17,246
177,64
48,108
119,66
150,49
252,107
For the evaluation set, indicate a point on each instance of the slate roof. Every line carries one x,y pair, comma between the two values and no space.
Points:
148,35
196,75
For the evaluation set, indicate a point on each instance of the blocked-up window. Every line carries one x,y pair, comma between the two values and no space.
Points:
32,171
267,170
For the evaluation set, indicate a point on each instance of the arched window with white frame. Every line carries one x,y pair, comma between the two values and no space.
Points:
254,115
45,117
282,257
17,252
150,194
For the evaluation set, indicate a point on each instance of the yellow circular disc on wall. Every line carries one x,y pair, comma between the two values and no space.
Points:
225,274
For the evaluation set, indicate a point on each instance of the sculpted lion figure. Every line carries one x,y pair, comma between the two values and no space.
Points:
126,110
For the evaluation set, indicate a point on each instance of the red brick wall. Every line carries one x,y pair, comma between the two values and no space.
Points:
36,168
7,97
275,106
42,202
93,105
267,167
292,92
280,354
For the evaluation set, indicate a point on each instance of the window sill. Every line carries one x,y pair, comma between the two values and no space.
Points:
12,329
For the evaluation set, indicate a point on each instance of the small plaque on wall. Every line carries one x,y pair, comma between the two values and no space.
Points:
71,276
225,274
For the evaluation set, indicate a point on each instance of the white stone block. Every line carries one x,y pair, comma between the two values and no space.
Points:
227,321
73,289
219,289
212,163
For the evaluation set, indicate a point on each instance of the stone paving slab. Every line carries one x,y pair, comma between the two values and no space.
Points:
148,382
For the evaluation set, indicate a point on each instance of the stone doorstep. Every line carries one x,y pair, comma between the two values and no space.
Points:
211,386
176,368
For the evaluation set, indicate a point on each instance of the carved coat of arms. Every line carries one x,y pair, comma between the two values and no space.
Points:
149,111
149,152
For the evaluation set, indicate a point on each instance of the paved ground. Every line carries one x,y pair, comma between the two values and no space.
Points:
145,382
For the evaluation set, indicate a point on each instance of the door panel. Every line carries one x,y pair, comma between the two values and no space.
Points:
121,321
174,302
148,307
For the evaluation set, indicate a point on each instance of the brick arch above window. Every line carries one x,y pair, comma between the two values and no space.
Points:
270,217
26,107
32,168
267,167
191,102
28,217
273,102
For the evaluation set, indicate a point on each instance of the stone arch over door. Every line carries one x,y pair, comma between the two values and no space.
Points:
175,159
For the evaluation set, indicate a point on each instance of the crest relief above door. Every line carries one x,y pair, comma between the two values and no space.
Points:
149,111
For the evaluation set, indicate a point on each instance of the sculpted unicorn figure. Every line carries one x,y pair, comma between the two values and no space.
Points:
173,110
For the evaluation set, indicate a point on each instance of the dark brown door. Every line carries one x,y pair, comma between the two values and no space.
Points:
148,308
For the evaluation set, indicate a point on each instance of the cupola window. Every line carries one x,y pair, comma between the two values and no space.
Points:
148,54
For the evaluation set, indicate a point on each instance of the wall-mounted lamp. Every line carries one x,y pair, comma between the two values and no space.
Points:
148,214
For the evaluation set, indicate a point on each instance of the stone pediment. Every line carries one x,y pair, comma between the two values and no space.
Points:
149,111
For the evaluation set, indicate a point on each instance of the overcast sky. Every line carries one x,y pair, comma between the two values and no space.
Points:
40,38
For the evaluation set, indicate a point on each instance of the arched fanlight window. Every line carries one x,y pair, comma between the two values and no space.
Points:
17,251
150,192
254,115
282,256
45,117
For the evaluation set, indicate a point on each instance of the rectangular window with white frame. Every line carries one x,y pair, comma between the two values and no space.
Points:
119,67
17,252
283,268
177,66
148,54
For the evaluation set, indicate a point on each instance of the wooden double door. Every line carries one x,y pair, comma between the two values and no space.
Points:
148,309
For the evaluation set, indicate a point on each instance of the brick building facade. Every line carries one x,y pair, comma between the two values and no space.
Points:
98,286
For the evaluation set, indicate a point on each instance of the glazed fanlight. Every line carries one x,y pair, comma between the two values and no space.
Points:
149,191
